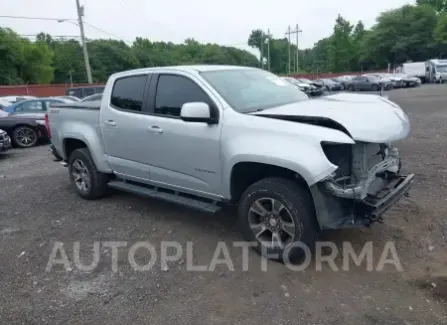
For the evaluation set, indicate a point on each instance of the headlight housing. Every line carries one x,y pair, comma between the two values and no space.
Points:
340,155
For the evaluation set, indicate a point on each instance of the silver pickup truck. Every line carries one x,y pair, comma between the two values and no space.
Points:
206,136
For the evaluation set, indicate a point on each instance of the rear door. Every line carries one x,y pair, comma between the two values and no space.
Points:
124,127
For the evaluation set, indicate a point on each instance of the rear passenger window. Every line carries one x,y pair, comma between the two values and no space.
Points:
128,93
173,91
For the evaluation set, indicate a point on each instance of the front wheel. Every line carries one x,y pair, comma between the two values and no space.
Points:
351,88
87,181
278,216
24,137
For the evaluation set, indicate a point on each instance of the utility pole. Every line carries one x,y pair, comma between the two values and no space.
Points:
297,31
288,36
268,48
262,50
80,10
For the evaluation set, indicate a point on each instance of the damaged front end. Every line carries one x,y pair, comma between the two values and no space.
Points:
366,183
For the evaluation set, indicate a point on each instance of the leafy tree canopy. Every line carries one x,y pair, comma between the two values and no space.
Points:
412,32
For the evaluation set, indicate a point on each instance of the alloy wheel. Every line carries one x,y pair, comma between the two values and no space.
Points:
25,137
271,223
81,176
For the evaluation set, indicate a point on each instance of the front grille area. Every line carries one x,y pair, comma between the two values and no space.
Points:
353,161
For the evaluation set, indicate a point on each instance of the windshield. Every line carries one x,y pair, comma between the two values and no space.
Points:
250,90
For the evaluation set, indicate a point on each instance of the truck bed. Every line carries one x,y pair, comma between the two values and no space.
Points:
77,121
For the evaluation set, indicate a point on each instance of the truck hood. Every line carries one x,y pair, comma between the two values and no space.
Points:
368,118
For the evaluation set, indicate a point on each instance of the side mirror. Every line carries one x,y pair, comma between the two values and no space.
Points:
196,112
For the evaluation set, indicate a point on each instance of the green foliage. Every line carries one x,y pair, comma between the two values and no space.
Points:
22,61
412,32
438,5
62,61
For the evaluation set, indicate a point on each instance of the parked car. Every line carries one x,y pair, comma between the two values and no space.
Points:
304,87
207,136
81,92
344,80
25,130
331,85
72,98
38,105
15,99
92,98
4,103
395,81
5,141
369,83
316,88
409,81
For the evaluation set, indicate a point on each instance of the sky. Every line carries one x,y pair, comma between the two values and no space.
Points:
226,22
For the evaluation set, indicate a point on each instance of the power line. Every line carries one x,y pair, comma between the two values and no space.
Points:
35,18
105,32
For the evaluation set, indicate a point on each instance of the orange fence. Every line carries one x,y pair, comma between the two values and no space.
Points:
38,90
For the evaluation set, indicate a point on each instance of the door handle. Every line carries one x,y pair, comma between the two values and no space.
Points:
110,122
155,129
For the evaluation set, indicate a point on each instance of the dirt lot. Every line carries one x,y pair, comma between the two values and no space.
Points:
37,208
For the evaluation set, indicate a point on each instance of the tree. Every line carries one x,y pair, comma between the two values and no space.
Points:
400,35
440,34
22,61
438,5
340,47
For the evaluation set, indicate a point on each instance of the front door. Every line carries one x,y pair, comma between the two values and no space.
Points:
124,128
182,155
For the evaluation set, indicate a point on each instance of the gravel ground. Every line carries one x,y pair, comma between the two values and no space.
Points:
38,208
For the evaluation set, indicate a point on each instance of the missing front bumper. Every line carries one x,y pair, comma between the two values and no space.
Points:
378,205
336,213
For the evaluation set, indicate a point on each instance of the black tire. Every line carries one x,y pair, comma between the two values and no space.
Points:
375,87
98,181
297,200
350,88
18,138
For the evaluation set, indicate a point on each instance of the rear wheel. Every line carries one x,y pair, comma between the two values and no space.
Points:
24,137
350,88
87,181
278,216
375,87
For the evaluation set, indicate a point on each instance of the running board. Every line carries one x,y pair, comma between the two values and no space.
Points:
174,198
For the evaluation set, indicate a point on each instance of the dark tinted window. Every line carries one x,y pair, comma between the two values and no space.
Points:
89,91
174,91
128,93
99,90
77,92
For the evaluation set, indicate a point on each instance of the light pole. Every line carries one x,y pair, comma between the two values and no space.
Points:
83,42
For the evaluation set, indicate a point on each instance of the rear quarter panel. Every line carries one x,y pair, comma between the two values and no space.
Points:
81,123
